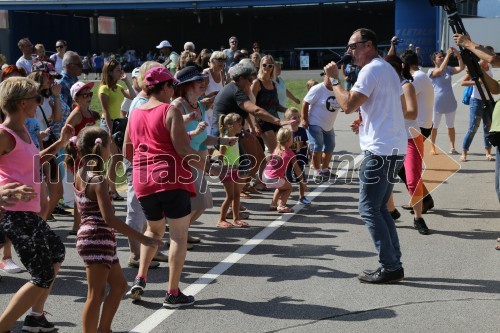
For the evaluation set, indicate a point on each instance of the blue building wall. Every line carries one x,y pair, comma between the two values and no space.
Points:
416,22
46,29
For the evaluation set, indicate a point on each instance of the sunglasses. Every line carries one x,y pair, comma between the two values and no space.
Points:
59,46
90,94
37,97
354,46
267,65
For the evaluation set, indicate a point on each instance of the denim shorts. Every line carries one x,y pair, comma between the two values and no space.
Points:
320,140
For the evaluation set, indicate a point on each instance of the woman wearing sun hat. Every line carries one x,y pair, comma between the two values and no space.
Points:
190,87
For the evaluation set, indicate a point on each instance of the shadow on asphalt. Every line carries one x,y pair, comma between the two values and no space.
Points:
469,285
289,308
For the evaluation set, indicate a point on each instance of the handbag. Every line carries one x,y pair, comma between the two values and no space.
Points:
52,137
466,95
118,131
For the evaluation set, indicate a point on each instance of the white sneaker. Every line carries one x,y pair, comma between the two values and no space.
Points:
9,266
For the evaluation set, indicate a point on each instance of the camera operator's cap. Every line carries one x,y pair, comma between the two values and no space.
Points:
188,74
46,67
135,72
164,43
79,86
157,75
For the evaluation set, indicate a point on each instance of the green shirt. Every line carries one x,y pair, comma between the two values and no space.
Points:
232,155
115,99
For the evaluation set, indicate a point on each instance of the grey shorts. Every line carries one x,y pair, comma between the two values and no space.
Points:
203,198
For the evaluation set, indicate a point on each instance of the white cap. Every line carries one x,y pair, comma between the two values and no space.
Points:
164,43
135,72
79,86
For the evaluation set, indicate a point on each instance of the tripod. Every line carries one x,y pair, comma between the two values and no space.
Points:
471,61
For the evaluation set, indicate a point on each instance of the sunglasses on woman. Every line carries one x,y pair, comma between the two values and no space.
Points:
267,65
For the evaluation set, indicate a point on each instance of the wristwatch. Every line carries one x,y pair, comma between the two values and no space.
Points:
334,82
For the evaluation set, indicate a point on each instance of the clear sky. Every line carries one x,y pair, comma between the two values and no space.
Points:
489,8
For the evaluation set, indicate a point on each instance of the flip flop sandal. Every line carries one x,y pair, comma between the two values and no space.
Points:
490,158
252,189
224,224
273,208
245,195
463,159
241,224
285,209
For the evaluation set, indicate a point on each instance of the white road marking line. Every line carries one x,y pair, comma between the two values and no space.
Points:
162,314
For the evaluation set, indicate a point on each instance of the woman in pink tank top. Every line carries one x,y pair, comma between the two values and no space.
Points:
157,144
38,247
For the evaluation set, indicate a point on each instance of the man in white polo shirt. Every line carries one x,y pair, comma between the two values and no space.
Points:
378,94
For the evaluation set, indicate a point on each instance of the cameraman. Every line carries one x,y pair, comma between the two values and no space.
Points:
483,53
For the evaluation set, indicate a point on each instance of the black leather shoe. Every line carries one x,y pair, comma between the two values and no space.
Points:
383,276
421,227
407,207
395,214
372,271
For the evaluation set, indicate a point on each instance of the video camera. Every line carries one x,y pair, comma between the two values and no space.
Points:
469,58
397,41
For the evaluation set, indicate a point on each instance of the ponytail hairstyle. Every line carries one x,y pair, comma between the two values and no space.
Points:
284,135
397,64
229,119
87,149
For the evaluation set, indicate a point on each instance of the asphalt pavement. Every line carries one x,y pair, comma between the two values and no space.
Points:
297,272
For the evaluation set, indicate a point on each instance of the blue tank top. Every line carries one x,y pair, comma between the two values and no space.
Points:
196,141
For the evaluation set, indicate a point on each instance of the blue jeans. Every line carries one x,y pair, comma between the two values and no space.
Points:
377,176
476,114
321,140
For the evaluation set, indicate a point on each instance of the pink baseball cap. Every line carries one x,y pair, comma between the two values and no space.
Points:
79,86
157,75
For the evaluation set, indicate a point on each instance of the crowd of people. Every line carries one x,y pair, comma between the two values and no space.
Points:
184,116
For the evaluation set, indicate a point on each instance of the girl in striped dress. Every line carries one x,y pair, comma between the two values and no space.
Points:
96,241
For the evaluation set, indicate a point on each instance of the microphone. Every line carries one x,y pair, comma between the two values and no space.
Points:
344,59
